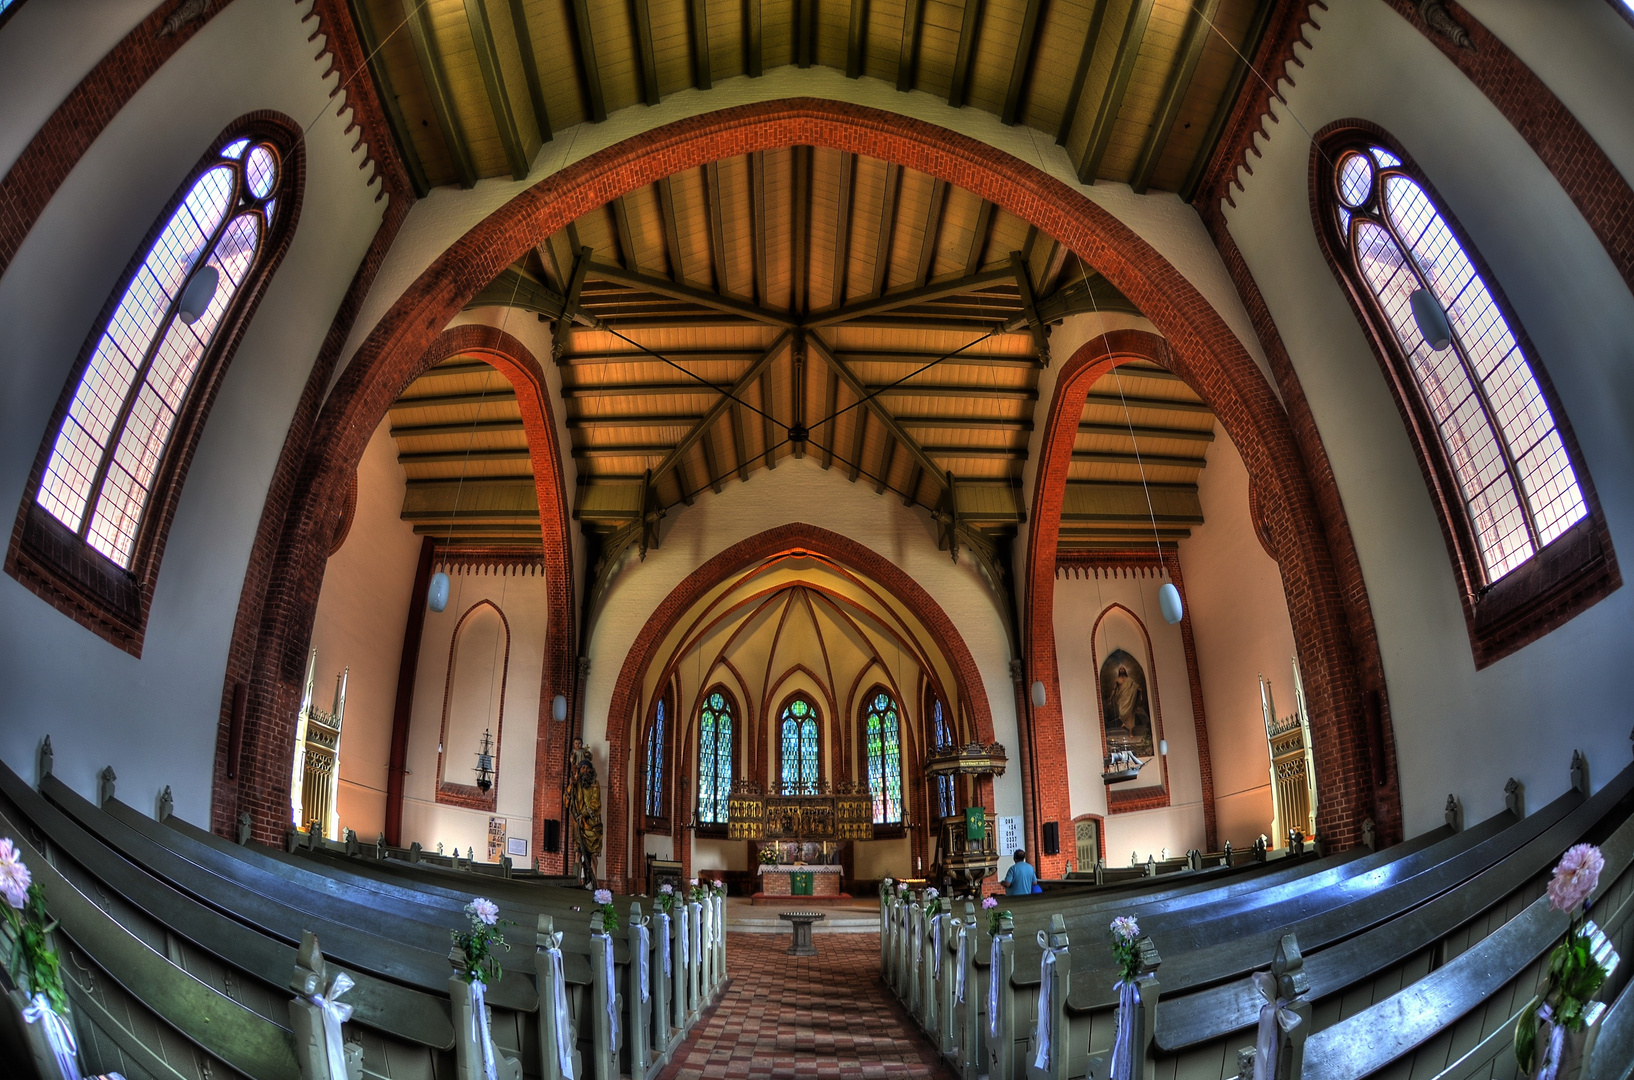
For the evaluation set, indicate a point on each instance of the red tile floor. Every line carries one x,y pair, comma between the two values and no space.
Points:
808,1016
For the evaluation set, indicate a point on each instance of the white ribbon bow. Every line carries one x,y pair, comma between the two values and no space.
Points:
612,994
681,935
479,1030
1548,1063
993,990
1276,1020
959,964
643,946
916,940
60,1036
564,1037
663,939
1046,995
936,947
1123,1041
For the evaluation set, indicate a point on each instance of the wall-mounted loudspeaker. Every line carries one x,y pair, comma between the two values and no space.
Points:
1052,838
553,835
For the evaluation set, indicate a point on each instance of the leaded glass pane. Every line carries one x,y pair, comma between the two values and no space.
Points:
808,754
706,772
723,760
876,765
893,762
791,752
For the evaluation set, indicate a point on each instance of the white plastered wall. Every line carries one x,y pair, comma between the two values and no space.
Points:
362,615
1457,729
156,717
1240,627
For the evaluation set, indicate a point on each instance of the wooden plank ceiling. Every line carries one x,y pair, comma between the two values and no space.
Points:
1136,90
702,322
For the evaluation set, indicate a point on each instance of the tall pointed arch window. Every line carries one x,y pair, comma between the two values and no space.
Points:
799,746
112,462
882,730
1516,504
656,744
947,796
714,758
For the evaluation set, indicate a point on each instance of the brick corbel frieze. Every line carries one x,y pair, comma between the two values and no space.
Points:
796,536
1197,342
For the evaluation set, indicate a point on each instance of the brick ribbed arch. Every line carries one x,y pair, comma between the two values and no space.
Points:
785,539
1204,348
1348,749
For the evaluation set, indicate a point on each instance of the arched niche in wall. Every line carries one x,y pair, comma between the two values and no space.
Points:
473,704
1130,708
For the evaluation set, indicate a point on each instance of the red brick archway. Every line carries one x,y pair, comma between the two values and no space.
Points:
1204,350
785,539
1344,743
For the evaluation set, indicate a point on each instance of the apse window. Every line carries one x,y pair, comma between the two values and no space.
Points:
714,758
1491,439
799,747
117,448
884,758
655,765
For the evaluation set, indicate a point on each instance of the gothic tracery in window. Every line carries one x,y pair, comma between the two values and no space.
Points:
714,758
655,763
1515,478
799,746
882,730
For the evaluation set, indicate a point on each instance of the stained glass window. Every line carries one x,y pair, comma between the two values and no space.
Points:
714,759
655,763
884,758
110,446
1515,479
947,798
799,748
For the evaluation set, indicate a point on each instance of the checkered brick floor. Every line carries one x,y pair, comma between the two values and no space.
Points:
809,1016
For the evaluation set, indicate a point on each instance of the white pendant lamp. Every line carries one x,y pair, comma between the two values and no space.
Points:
1039,696
197,295
1431,318
437,595
1168,600
558,708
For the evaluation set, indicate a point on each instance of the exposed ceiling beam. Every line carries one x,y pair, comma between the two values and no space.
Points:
842,228
649,62
616,450
874,405
887,457
1198,22
1024,61
672,231
830,403
1185,434
1134,402
442,104
717,226
887,226
1234,85
891,301
530,69
986,423
1109,457
912,18
799,299
911,495
681,420
797,390
758,224
856,36
753,37
1092,37
433,401
683,481
440,457
410,431
570,303
588,67
968,30
713,413
1123,66
767,424
1029,308
715,474
859,431
944,390
388,99
702,70
978,238
740,443
1018,454
930,237
493,79
637,280
626,238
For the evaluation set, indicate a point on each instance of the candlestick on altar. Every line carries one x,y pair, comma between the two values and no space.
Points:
918,866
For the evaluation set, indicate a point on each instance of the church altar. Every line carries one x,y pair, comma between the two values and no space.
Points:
817,880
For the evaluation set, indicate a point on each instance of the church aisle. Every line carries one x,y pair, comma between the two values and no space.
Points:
809,1016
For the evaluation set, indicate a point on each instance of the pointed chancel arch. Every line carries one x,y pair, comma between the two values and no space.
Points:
1204,351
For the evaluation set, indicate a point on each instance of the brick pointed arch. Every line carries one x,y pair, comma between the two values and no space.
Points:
796,536
1204,348
1345,743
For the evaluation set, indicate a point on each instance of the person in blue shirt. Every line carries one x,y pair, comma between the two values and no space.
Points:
1020,878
